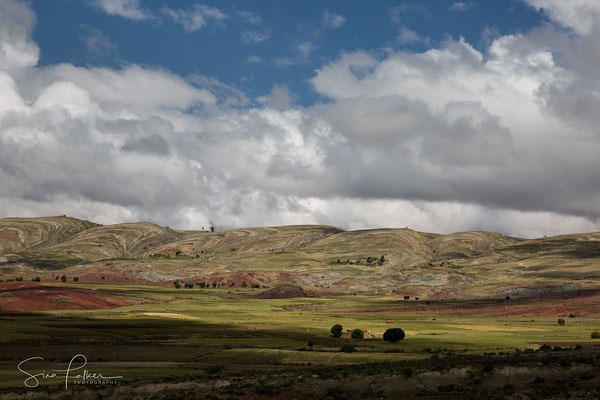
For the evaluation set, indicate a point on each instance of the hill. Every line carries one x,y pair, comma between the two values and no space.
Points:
319,258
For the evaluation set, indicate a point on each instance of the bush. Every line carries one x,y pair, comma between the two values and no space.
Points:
406,297
357,334
201,284
571,315
37,279
336,330
188,285
244,284
76,279
19,279
394,335
596,335
255,286
348,349
63,278
561,322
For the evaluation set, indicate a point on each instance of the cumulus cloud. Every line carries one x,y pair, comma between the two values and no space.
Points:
195,18
579,15
130,9
408,36
442,140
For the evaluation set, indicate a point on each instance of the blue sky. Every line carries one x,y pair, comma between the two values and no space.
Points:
222,47
442,116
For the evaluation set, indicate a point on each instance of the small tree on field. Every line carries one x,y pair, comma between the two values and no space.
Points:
76,279
347,348
63,278
406,297
357,334
244,284
212,228
381,260
214,284
596,335
36,279
394,335
188,285
561,322
507,298
310,345
336,330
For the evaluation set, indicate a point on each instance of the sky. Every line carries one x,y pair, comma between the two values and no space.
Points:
439,116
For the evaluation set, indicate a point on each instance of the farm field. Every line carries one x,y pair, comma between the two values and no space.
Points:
187,335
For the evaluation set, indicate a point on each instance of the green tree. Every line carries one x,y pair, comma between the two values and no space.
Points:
406,297
76,279
394,335
357,334
596,335
561,322
336,330
63,278
244,284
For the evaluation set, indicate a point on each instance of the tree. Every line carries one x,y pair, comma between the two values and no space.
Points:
310,345
76,279
347,348
507,298
63,278
406,297
596,335
36,279
336,330
188,285
357,334
214,284
244,284
381,260
212,228
561,322
394,335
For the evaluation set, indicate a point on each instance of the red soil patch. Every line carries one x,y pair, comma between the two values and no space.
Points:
37,297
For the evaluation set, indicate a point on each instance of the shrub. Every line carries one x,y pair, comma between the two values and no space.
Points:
406,297
507,298
63,278
336,330
201,284
189,285
76,279
103,277
357,334
310,345
561,322
214,284
596,335
394,335
244,284
37,279
255,286
19,279
571,315
176,283
348,349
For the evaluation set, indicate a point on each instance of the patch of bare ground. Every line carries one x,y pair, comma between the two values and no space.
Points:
25,296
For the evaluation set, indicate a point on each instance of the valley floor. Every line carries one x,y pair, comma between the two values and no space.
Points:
227,343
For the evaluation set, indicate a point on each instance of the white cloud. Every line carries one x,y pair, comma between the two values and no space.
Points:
408,36
17,50
195,18
579,15
459,6
442,140
130,9
254,59
98,44
332,20
305,49
251,37
250,17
